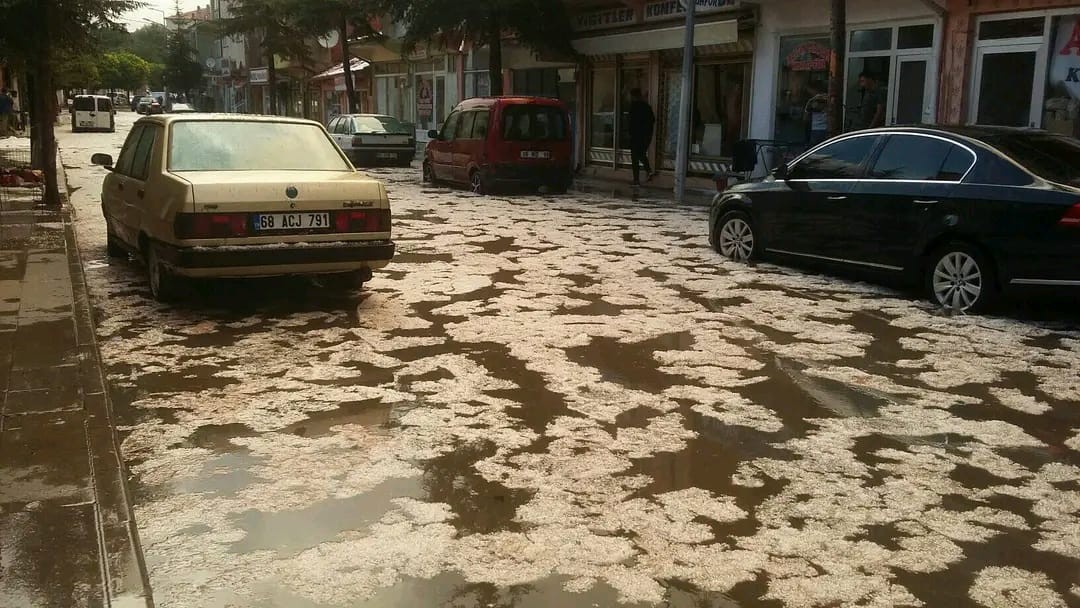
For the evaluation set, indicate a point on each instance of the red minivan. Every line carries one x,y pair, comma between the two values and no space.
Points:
492,142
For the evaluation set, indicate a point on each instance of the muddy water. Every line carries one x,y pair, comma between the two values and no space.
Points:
572,401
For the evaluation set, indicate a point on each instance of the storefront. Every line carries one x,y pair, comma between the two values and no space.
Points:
1022,68
331,92
898,46
644,51
422,91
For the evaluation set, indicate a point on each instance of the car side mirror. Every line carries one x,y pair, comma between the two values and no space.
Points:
433,134
781,172
104,160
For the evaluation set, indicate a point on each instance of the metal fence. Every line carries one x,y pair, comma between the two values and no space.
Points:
20,187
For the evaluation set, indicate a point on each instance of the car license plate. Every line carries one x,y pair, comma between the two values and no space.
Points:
86,123
535,154
386,155
388,140
292,221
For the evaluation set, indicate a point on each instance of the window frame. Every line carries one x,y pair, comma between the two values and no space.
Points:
153,131
872,154
887,137
131,143
468,119
454,117
487,112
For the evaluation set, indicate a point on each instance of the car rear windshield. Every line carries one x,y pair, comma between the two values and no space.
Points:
1052,157
533,123
84,104
381,124
251,146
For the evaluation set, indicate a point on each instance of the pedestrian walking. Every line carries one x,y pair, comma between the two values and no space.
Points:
642,122
7,108
872,112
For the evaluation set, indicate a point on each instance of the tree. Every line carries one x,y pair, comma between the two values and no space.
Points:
541,25
124,70
77,71
182,72
346,17
274,24
150,42
37,32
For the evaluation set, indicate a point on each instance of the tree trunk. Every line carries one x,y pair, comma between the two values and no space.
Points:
346,62
271,72
44,108
495,66
836,67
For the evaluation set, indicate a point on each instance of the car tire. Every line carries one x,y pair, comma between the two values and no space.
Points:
960,277
113,248
477,183
164,285
735,237
405,161
428,174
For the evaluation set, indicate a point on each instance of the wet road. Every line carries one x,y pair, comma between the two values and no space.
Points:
572,401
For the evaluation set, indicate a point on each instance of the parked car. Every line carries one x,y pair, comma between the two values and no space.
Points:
967,211
488,143
372,138
215,196
149,106
92,113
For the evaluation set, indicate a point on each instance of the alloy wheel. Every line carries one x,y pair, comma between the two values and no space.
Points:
737,240
957,281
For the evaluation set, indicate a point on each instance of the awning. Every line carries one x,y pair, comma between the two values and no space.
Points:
705,34
355,65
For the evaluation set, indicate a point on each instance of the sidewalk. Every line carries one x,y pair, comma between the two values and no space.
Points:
66,533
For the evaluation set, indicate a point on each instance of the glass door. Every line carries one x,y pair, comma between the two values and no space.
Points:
911,105
1006,93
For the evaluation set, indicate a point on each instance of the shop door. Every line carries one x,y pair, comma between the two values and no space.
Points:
1006,93
912,103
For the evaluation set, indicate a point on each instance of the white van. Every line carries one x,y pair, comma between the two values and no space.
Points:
92,113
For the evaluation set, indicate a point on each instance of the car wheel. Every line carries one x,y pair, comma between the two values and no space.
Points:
735,238
405,161
163,284
428,174
961,278
476,182
113,248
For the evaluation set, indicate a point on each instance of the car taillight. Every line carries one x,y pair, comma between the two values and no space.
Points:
211,225
1071,217
375,220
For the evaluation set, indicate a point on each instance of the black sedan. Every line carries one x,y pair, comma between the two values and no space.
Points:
968,212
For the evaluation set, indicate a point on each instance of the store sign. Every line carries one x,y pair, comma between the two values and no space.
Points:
604,19
808,57
668,9
259,76
425,101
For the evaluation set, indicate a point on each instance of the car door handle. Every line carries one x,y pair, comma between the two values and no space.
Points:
837,198
925,202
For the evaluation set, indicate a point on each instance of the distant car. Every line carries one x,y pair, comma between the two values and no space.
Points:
92,113
374,138
967,211
149,106
489,143
215,196
182,108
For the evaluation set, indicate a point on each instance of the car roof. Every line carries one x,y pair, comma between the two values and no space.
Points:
365,116
94,96
985,134
167,119
486,102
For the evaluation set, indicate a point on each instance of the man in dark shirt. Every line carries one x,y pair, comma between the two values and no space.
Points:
642,121
7,108
872,111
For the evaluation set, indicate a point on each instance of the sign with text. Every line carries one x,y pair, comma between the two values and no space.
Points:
1065,59
809,57
259,76
667,9
425,102
604,19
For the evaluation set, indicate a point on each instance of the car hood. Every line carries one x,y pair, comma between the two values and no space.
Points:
297,189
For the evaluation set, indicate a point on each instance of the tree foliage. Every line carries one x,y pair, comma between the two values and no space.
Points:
124,70
182,71
347,18
150,42
541,25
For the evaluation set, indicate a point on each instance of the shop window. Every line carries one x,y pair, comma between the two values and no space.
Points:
1028,27
871,40
537,82
477,84
719,110
603,108
915,37
862,101
1061,110
630,78
804,78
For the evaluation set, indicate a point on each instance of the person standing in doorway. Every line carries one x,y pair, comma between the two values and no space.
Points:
816,113
642,121
872,111
7,109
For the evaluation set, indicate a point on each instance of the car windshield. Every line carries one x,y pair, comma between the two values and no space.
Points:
84,104
1052,157
380,124
533,123
251,146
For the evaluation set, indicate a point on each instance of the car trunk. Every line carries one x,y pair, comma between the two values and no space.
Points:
380,139
286,206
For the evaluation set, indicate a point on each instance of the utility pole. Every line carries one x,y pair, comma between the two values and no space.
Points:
836,67
682,157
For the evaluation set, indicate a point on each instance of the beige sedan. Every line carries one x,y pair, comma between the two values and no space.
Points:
240,196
